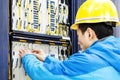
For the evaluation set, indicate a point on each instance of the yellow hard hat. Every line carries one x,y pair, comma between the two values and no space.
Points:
95,11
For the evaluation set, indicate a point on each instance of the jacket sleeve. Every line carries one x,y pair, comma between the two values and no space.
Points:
49,59
76,64
37,70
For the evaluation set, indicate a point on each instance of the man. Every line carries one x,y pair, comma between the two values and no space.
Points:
100,55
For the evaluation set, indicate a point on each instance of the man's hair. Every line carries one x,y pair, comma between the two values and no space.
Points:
101,29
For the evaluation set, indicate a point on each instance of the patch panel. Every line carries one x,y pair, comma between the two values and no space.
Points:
18,72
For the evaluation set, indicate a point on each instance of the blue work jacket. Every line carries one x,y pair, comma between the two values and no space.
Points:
101,61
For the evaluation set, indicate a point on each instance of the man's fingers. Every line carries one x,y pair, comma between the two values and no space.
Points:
36,51
20,55
22,51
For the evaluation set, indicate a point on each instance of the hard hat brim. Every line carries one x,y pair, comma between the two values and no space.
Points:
74,26
118,24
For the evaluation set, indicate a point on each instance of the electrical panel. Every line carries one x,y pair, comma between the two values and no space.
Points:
37,24
41,16
18,73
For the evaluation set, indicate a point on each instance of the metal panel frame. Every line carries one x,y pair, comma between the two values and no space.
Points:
74,7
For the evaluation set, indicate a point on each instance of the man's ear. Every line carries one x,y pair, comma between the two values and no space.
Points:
90,33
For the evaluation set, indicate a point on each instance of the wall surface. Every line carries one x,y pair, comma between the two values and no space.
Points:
4,40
